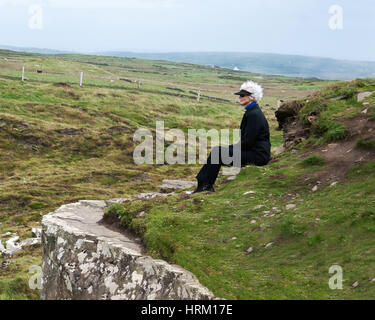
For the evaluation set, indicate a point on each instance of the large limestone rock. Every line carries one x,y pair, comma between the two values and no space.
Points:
83,259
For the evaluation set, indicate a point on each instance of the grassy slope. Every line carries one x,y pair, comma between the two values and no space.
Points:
210,234
42,166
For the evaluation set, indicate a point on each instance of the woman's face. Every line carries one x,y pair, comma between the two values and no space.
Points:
245,100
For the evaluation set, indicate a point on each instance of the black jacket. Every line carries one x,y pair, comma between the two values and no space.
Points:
255,134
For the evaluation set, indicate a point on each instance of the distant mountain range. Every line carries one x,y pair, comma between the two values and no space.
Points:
268,63
264,63
34,50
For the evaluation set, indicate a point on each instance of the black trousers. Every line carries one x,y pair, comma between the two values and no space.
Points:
211,169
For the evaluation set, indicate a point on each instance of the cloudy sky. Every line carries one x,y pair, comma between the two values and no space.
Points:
305,27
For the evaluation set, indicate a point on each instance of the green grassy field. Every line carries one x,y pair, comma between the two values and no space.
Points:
60,143
292,249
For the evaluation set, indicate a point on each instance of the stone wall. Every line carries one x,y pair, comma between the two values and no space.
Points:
83,259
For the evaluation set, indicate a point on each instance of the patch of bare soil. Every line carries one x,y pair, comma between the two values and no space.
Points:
62,85
342,155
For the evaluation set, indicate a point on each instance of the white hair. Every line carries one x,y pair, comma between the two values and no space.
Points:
254,88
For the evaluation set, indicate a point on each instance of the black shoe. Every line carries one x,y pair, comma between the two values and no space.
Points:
204,187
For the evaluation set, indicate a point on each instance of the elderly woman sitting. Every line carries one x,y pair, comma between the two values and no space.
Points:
255,146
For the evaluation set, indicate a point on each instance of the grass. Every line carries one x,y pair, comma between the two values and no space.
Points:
330,106
60,143
312,160
366,144
209,235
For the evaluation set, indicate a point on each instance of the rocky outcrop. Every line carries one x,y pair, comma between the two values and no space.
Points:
13,245
83,259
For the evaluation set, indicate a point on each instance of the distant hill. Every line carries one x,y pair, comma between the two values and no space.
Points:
267,63
34,50
264,63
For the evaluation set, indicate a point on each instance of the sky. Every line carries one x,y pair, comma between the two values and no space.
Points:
341,29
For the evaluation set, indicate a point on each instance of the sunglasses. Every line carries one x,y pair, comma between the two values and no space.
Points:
242,95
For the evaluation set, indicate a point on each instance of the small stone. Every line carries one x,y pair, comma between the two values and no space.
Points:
6,234
253,221
333,184
314,189
29,242
366,103
249,192
141,214
290,206
272,215
373,280
266,212
269,244
234,238
275,209
332,145
170,185
227,202
279,150
364,111
231,178
249,250
258,207
355,284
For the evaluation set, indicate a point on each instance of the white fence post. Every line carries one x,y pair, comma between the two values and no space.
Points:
23,73
199,95
81,79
